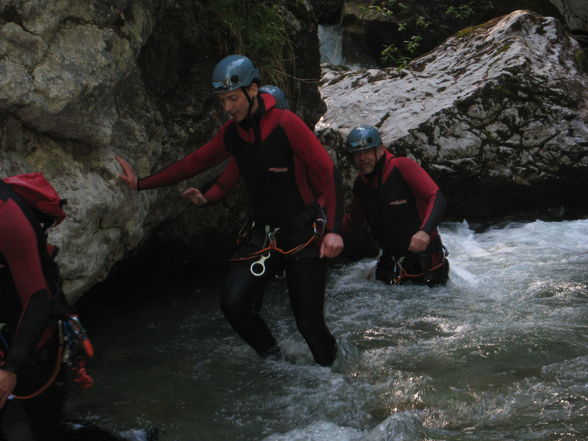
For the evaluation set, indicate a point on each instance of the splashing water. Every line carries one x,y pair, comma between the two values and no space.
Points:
331,44
500,353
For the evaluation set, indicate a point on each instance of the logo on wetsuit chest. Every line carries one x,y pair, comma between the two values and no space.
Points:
278,169
398,202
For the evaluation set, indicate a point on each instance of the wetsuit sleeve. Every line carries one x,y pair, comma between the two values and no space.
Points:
19,247
210,154
431,203
225,184
322,174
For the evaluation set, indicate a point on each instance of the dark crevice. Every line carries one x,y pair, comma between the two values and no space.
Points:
11,15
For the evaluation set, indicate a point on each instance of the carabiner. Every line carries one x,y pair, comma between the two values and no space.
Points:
319,226
260,262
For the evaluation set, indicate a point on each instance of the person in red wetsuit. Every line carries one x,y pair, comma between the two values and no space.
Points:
29,286
31,303
285,170
402,206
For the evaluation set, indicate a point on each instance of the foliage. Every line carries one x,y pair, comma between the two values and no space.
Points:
435,20
259,30
461,12
415,24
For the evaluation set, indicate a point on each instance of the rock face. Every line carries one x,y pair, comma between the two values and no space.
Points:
327,11
498,115
575,14
81,80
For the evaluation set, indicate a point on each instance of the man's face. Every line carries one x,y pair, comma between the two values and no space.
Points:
366,160
235,103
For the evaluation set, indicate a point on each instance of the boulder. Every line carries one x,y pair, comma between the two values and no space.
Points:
498,115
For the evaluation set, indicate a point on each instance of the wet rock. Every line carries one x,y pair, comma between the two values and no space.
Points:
402,426
575,14
497,114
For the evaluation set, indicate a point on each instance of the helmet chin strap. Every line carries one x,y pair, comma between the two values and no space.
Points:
250,100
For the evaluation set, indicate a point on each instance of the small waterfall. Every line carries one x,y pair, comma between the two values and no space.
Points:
331,44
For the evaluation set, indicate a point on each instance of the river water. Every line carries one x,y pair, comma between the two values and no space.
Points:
500,353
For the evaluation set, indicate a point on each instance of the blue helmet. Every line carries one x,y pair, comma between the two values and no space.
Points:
233,72
363,137
277,93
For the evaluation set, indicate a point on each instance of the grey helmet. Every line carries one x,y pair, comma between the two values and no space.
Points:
277,93
233,72
363,137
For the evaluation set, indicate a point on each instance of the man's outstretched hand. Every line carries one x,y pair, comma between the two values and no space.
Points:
195,196
129,177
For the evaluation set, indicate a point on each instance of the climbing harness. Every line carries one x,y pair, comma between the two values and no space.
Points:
75,335
405,275
402,274
258,267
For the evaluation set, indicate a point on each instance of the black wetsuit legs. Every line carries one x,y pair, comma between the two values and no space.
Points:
241,303
44,413
306,286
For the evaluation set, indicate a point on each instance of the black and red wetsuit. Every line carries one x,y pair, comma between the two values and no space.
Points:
396,200
285,170
28,281
224,184
31,300
282,163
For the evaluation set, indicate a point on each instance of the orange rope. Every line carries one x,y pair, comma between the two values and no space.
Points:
273,246
403,274
52,378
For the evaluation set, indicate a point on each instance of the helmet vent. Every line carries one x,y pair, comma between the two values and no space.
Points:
235,79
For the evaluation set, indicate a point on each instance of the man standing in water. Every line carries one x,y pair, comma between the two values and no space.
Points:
285,170
402,206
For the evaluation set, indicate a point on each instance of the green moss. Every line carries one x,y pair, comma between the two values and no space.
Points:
503,48
581,60
466,32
